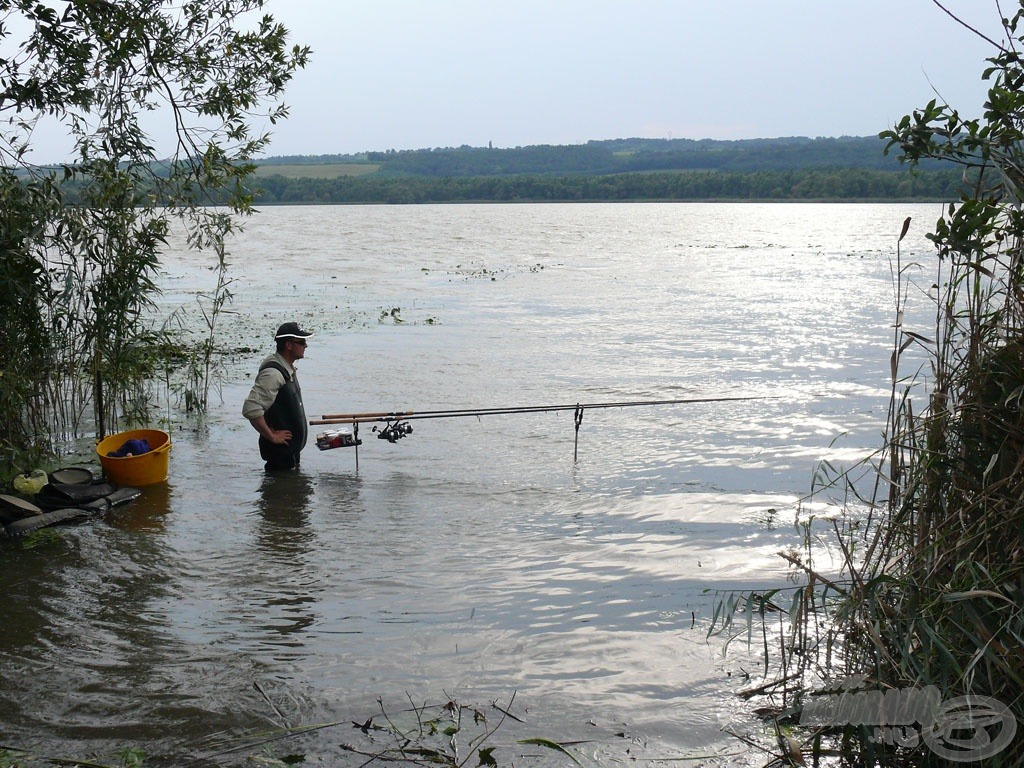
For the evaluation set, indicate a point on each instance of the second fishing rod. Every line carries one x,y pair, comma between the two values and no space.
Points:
397,426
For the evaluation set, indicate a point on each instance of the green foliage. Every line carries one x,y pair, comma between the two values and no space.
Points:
132,758
552,745
24,334
81,243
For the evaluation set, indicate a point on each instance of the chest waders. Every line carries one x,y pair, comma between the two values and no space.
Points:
285,413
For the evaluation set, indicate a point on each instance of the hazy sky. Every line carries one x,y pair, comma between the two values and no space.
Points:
408,74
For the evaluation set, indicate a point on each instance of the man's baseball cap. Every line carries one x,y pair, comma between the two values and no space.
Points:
292,331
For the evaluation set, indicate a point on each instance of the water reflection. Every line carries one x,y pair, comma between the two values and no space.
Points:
147,513
292,576
284,538
340,495
284,506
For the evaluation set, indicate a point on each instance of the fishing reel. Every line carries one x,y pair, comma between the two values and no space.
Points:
393,431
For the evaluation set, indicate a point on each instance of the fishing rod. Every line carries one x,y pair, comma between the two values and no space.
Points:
397,426
347,418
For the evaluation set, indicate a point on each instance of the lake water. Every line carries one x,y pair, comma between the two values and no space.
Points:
474,559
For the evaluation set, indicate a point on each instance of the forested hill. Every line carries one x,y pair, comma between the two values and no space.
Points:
620,156
633,169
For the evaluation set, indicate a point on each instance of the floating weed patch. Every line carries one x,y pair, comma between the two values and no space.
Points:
393,316
482,272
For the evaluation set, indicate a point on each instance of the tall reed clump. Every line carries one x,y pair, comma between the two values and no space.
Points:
24,332
84,348
913,653
929,601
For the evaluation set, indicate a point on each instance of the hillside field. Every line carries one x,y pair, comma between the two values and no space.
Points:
316,171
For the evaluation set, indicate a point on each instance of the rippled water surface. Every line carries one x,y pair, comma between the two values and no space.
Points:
474,559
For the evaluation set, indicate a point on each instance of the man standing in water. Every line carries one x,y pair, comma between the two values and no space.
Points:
274,405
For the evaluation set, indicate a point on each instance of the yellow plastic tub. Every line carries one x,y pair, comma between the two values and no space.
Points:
135,471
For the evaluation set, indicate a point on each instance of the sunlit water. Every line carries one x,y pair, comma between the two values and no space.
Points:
474,559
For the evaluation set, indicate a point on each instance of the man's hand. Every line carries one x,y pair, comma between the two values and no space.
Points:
275,436
279,436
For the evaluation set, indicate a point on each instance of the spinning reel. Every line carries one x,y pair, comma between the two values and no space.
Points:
393,431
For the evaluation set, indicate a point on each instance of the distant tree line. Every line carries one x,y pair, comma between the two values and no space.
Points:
793,184
633,155
622,156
